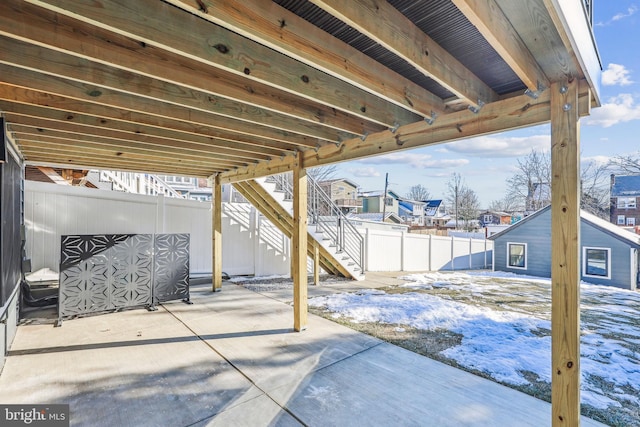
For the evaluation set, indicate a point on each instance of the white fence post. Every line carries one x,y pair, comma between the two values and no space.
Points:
430,251
402,250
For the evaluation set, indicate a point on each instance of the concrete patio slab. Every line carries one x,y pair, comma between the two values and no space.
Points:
232,358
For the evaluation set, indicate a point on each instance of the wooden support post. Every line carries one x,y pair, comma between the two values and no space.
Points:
316,264
216,214
565,255
299,238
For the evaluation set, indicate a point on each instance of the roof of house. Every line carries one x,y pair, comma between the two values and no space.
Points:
333,181
431,207
375,216
378,193
625,185
600,223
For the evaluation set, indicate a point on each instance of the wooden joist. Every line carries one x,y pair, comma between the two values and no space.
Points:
282,30
217,47
381,22
489,19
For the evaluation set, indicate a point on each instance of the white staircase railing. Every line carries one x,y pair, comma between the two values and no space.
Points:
327,218
139,183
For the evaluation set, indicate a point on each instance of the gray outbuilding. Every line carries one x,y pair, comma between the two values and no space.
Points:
608,253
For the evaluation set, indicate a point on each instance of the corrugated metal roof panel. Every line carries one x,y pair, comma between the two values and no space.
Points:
441,21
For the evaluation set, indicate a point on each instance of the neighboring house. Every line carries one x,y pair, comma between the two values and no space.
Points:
435,214
190,188
411,211
608,254
343,192
375,202
624,210
389,217
494,218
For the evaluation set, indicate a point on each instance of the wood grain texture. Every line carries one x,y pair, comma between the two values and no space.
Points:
299,240
565,255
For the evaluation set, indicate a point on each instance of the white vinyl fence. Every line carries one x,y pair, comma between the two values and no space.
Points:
400,251
250,243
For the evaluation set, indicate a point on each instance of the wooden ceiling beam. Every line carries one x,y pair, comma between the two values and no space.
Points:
103,77
274,26
63,107
28,23
132,103
511,113
66,161
88,149
384,24
122,146
164,26
84,125
496,28
14,108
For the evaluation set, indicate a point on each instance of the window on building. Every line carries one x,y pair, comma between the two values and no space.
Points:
596,262
487,219
517,255
620,219
388,201
631,222
626,203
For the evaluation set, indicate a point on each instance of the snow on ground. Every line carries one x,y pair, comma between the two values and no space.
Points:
505,323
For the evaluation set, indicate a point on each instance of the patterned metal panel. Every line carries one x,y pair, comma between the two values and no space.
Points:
171,276
104,272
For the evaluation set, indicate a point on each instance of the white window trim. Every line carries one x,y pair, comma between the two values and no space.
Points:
526,255
621,219
584,262
631,221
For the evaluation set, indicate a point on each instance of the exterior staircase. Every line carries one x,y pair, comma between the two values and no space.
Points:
139,183
340,246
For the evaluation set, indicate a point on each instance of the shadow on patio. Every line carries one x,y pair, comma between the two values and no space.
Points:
232,358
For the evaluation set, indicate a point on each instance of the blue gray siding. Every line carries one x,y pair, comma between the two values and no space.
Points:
536,233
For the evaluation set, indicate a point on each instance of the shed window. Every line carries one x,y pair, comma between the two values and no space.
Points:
517,255
596,262
620,219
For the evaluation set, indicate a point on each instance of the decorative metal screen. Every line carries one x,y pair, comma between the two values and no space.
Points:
114,271
171,278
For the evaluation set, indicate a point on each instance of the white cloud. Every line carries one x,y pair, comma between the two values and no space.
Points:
616,74
415,160
500,146
364,172
598,160
631,10
621,108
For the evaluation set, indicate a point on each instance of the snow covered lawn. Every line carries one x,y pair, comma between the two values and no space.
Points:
504,322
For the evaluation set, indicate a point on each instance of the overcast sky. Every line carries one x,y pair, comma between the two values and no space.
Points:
487,162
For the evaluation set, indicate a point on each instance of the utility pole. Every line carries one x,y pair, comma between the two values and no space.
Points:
384,196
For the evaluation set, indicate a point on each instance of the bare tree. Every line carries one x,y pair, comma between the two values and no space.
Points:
506,204
419,193
469,206
594,189
629,164
463,200
323,173
530,186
